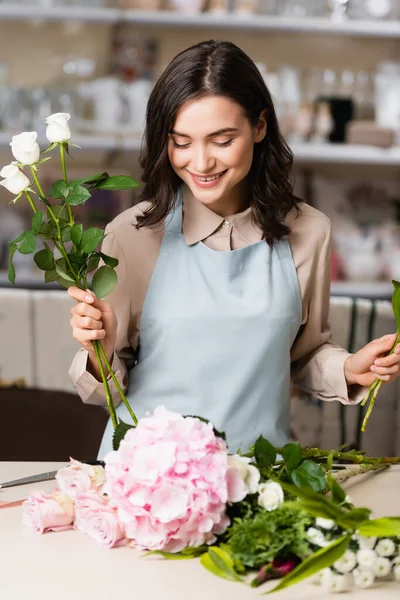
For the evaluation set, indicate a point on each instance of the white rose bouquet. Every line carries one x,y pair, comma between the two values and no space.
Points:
70,253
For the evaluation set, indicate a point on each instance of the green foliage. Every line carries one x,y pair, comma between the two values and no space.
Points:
219,562
118,182
185,554
76,234
309,474
37,221
260,537
11,268
91,238
264,453
396,303
120,432
78,194
385,527
292,456
44,259
104,281
59,190
109,260
28,244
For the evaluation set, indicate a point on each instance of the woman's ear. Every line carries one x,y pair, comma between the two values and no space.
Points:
260,129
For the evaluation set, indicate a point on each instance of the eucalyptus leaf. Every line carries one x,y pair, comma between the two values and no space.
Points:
309,474
385,527
291,454
104,281
120,432
79,194
117,182
76,234
11,269
265,453
44,259
28,244
219,563
59,190
110,261
37,221
316,562
91,238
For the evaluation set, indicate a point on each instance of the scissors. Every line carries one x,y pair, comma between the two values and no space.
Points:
47,476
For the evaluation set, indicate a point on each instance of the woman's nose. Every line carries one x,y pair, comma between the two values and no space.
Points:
203,161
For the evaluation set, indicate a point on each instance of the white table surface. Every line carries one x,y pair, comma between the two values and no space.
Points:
70,566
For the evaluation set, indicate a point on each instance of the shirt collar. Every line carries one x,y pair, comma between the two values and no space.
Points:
199,221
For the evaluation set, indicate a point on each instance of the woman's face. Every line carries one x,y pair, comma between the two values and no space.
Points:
210,148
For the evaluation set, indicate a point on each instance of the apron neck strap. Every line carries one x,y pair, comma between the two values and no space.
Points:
174,220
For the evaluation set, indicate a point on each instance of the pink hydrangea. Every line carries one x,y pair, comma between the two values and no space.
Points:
168,481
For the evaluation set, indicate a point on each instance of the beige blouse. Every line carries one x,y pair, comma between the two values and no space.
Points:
317,363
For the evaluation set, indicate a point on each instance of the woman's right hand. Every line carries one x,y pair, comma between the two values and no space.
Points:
93,319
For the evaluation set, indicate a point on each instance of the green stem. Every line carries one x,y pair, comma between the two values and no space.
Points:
64,170
120,391
36,179
370,392
60,247
110,403
31,202
371,405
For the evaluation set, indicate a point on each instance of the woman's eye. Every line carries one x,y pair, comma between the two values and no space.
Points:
176,145
227,143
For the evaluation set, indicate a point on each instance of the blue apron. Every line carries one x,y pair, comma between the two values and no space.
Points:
215,337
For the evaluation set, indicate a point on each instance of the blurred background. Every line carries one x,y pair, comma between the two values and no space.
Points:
333,68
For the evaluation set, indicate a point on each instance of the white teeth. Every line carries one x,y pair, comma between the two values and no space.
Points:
209,178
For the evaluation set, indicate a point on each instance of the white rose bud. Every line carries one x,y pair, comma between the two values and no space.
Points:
57,128
246,477
15,181
382,567
270,495
385,547
363,578
25,147
366,558
346,563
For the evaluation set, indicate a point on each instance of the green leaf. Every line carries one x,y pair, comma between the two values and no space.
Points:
28,245
117,182
46,231
109,260
396,303
92,179
185,554
60,212
338,493
353,518
104,281
63,274
93,262
320,505
219,563
119,433
385,527
79,194
59,189
91,238
292,455
19,238
76,234
51,276
66,232
44,259
50,147
11,269
265,453
37,221
309,474
317,509
320,560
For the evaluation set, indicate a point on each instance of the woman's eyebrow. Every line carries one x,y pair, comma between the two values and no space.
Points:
219,132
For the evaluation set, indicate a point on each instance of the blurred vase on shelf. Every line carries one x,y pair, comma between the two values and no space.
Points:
373,9
141,4
188,7
359,254
218,6
387,97
339,10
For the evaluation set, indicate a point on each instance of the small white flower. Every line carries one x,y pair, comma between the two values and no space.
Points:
324,523
366,543
385,547
348,500
319,577
335,584
396,560
396,572
245,478
316,537
366,558
382,567
346,563
58,129
363,578
25,148
270,495
15,181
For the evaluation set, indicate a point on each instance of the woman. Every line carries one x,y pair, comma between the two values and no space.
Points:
223,273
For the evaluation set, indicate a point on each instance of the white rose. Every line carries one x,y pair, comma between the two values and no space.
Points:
385,547
335,584
382,567
270,495
242,478
363,578
25,147
324,523
58,129
366,558
15,181
367,543
396,572
346,563
316,537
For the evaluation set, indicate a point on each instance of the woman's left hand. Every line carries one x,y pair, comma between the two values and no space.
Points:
369,364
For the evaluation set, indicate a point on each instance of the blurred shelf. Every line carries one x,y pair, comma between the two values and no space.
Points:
380,29
373,290
346,154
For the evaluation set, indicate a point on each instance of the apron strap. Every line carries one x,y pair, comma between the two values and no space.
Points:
173,223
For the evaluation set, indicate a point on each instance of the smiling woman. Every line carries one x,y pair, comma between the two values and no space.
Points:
223,277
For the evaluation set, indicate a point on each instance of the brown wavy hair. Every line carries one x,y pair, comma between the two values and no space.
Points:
222,69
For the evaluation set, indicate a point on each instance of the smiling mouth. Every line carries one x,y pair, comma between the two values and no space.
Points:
209,177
